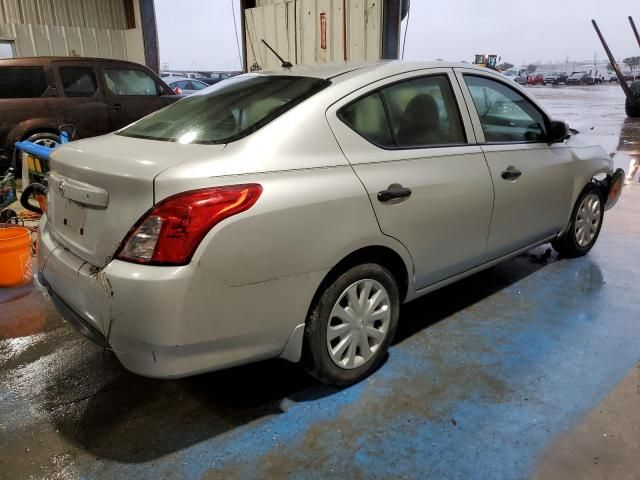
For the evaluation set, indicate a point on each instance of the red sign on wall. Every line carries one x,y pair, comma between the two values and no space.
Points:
323,30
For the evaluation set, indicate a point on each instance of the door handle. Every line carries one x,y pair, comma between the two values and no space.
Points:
394,191
116,107
511,173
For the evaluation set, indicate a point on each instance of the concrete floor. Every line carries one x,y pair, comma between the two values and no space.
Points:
516,372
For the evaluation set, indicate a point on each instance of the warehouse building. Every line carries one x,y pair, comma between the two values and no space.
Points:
120,29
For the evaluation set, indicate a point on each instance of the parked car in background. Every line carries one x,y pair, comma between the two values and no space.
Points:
95,95
511,74
184,85
289,214
536,79
580,78
522,78
218,76
555,78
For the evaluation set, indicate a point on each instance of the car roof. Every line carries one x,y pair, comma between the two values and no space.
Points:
43,61
382,67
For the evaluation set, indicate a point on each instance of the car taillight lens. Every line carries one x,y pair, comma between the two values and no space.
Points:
172,230
178,91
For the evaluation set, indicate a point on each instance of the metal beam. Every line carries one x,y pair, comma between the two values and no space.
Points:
391,14
150,35
623,83
635,30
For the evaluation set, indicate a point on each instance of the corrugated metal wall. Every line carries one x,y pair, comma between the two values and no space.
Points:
109,14
92,28
311,31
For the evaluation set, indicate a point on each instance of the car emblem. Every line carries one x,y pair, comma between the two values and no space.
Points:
61,188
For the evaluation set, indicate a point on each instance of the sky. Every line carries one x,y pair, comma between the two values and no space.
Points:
202,36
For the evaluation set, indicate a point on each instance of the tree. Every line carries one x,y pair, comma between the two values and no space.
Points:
631,62
505,66
531,68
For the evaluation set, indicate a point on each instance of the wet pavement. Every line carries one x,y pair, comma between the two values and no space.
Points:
483,378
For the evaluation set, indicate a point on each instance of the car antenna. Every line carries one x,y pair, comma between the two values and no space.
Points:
285,63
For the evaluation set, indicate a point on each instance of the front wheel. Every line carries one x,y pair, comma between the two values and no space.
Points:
585,225
350,327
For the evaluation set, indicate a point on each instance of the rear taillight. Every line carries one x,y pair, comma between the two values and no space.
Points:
178,91
172,230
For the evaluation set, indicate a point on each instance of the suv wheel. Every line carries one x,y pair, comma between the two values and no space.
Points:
350,327
46,139
586,222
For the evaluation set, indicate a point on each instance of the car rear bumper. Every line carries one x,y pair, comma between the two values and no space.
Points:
169,322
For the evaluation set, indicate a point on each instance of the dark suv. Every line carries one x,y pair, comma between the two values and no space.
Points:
95,95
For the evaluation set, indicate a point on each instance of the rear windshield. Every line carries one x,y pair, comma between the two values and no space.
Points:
227,111
22,82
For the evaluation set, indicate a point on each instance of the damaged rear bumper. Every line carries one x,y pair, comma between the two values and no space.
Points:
167,322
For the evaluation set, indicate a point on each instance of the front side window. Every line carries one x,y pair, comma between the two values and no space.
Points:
130,82
227,111
78,81
22,82
424,112
505,115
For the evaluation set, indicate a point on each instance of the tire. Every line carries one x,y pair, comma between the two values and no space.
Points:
346,363
47,139
572,243
633,109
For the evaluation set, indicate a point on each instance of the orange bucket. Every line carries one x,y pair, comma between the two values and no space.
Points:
15,257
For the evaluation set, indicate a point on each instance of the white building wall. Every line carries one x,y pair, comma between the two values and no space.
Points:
89,28
294,29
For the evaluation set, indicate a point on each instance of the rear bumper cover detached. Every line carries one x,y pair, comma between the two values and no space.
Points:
168,322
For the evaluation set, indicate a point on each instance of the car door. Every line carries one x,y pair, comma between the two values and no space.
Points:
132,93
414,150
81,98
532,180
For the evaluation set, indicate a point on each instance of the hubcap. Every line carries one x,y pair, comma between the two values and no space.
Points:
588,219
46,142
358,324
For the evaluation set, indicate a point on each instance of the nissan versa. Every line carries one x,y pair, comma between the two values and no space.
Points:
289,214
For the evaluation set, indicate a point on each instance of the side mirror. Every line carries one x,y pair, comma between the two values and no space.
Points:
558,132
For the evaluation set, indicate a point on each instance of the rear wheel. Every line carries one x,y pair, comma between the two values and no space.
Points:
350,327
586,222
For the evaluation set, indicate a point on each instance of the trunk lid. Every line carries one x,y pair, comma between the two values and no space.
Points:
100,187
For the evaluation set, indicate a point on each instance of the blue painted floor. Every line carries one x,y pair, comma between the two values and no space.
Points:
483,376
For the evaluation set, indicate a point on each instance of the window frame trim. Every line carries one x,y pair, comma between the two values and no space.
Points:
473,112
379,89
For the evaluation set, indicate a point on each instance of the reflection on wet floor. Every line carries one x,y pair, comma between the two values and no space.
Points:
629,145
597,112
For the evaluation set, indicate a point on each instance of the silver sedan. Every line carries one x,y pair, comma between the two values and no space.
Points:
289,214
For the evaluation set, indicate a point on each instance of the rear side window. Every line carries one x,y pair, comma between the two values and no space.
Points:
130,82
228,111
416,113
424,112
368,118
78,81
22,82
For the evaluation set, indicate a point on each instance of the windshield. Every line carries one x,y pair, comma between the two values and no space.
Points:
228,111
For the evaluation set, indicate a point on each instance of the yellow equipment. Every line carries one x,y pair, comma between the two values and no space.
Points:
489,61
